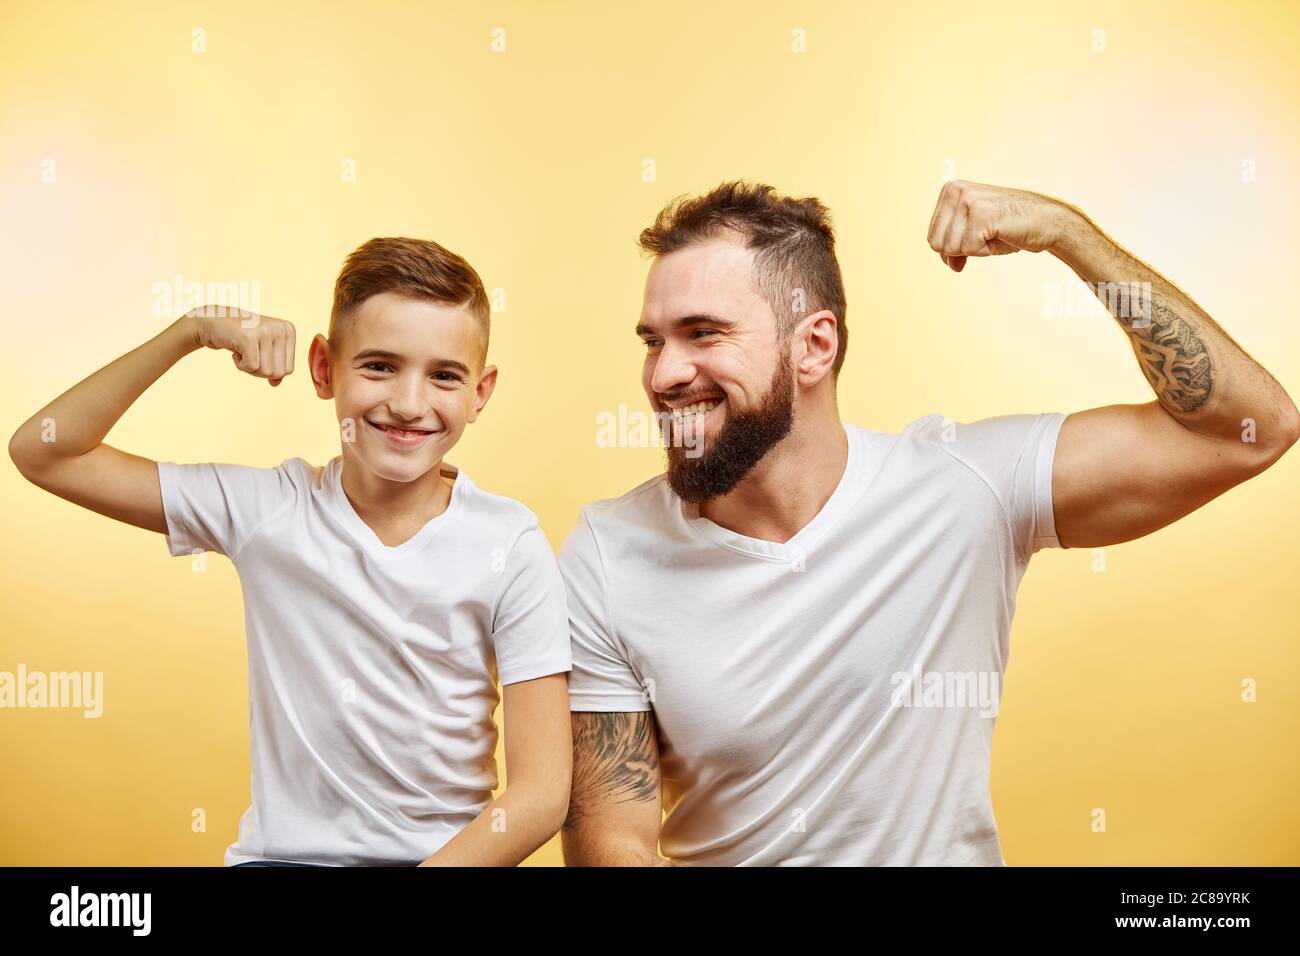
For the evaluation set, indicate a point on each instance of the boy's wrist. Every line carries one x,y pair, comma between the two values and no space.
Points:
188,328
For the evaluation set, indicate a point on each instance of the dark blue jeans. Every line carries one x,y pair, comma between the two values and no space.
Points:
281,863
273,863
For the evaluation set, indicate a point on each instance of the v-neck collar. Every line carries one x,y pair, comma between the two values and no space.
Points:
365,534
797,546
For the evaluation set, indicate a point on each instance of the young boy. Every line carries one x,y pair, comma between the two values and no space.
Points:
384,593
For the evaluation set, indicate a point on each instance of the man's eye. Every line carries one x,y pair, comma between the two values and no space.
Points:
450,376
699,332
378,366
649,343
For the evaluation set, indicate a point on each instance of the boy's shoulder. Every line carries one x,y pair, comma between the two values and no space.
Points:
489,510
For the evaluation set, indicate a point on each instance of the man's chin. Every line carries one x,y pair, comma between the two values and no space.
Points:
692,480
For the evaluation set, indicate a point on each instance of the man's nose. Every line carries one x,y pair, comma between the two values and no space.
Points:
672,370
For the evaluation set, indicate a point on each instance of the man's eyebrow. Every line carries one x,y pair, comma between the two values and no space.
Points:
702,318
386,356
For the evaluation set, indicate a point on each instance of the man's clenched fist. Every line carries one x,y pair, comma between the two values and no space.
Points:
972,219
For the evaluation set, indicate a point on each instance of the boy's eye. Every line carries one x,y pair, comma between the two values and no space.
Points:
378,366
449,376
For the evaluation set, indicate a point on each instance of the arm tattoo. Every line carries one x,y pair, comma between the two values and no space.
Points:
1170,349
614,758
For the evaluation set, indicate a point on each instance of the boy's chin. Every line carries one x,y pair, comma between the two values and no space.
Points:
394,465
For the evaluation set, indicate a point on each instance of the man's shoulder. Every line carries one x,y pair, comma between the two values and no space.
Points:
651,508
954,436
651,499
924,432
990,449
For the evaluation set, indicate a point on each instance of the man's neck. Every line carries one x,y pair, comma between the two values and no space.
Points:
792,483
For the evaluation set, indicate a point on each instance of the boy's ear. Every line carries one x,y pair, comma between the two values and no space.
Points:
318,361
483,391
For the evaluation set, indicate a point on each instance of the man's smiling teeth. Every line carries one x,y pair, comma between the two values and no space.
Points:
699,408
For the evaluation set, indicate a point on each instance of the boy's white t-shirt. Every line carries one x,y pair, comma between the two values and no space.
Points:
798,721
372,668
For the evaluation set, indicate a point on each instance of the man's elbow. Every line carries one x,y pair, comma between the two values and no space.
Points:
587,844
1292,430
1288,432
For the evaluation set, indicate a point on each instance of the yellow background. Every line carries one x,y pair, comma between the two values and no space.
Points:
1124,688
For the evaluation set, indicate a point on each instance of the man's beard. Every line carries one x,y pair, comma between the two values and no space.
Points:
743,440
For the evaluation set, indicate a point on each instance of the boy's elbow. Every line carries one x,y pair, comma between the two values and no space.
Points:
557,808
20,453
551,803
31,456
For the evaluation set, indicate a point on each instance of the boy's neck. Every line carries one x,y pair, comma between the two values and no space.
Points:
391,507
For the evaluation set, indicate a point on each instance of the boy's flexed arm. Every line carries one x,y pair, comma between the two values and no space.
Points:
61,448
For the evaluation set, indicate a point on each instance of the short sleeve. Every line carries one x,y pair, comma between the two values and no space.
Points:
602,678
530,631
217,507
1014,454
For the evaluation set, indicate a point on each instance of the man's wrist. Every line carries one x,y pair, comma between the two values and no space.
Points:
1073,231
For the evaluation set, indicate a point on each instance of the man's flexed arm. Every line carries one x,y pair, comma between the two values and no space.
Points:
1123,471
61,448
615,805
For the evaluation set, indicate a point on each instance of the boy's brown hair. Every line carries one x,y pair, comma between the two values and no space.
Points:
792,240
416,268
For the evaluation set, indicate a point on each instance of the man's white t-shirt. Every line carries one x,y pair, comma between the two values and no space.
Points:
829,700
371,668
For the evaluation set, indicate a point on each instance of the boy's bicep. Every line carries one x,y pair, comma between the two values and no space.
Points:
111,482
539,748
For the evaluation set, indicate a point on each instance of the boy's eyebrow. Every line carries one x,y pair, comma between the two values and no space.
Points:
384,355
702,318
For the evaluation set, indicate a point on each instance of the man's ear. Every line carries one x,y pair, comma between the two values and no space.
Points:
819,335
320,365
487,382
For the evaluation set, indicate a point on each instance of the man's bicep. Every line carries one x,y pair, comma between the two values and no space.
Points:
615,804
1124,471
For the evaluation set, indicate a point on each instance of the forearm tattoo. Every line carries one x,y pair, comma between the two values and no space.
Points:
1170,346
614,759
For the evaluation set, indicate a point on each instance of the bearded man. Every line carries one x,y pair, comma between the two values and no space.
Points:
791,641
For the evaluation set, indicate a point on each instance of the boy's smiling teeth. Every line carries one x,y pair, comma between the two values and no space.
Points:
699,408
401,432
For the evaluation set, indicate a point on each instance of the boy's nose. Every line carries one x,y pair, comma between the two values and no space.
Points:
407,402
